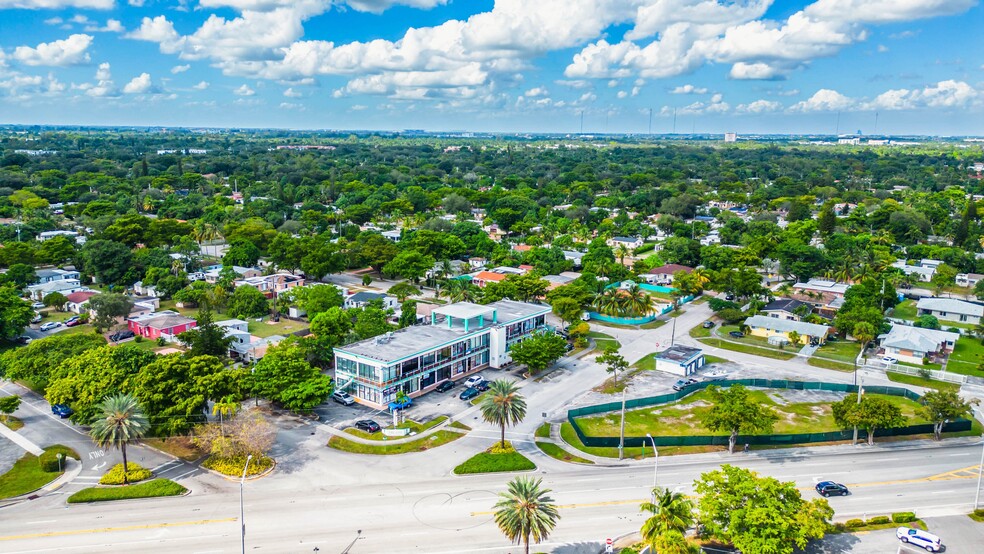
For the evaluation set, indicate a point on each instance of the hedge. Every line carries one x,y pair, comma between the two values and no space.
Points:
903,517
233,466
135,473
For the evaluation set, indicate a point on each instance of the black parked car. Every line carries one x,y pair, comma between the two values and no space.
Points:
367,425
444,386
736,334
708,324
469,393
830,488
481,386
121,335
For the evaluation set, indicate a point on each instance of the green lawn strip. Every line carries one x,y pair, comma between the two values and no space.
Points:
748,349
841,351
646,363
11,422
558,453
653,324
830,364
489,462
598,335
683,417
150,489
700,332
905,310
424,443
543,431
633,453
709,359
917,524
414,427
977,515
967,355
920,382
27,474
459,425
284,327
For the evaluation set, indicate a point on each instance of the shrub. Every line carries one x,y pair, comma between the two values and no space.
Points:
903,517
138,338
979,512
134,474
498,448
854,523
49,462
732,315
233,466
838,527
717,304
879,520
161,341
150,489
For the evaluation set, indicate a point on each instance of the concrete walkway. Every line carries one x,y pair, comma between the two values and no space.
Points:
20,441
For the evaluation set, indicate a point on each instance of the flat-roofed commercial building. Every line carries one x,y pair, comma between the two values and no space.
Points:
461,339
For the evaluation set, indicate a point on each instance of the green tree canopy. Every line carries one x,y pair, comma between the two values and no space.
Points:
109,308
247,302
871,414
284,376
539,351
733,410
207,338
35,362
315,299
84,380
940,406
15,313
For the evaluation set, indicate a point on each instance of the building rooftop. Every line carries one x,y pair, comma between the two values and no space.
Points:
465,310
785,325
679,353
832,287
951,305
784,304
81,296
916,338
670,269
366,296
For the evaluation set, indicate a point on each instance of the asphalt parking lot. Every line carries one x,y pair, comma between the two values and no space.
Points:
960,534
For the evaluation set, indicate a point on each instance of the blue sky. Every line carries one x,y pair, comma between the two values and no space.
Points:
751,66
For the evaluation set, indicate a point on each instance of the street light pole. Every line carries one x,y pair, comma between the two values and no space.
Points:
655,464
860,388
621,432
242,512
980,472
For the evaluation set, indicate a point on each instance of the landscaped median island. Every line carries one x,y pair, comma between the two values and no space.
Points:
150,489
558,453
31,472
496,459
434,440
134,474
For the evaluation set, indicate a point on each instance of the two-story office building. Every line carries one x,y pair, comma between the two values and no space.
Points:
461,339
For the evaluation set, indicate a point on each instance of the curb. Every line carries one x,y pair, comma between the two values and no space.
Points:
234,478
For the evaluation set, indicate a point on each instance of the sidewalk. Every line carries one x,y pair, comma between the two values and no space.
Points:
21,441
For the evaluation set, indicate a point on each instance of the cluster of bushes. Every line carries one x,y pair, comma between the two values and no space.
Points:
49,459
233,465
855,524
134,473
150,489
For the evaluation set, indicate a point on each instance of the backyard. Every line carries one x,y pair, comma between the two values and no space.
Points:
905,310
797,414
967,356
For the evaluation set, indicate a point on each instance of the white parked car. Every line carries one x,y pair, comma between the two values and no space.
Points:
474,380
37,305
50,325
918,537
890,360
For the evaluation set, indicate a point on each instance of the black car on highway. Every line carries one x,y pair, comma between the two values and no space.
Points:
830,488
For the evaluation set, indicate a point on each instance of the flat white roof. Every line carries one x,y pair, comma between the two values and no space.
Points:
465,310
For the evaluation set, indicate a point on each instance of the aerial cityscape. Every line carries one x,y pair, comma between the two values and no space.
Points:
496,276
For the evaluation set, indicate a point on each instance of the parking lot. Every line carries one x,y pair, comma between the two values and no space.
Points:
960,534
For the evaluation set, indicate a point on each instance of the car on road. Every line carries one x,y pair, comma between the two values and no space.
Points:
469,393
36,318
343,398
830,488
918,537
444,386
73,321
367,425
474,380
729,297
707,324
890,360
37,305
50,325
736,334
121,335
683,383
62,410
24,339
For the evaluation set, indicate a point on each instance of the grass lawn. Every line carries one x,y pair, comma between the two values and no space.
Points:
181,447
558,453
841,351
653,324
635,453
966,356
267,328
830,364
543,431
11,422
748,349
495,462
708,359
700,332
425,443
150,489
905,310
27,474
683,417
604,341
414,427
646,363
920,382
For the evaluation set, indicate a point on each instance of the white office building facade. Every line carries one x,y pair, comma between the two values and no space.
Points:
461,339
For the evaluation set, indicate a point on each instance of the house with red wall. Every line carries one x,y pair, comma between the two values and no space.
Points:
167,323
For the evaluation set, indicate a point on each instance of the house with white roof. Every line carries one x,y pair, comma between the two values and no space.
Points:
951,309
914,344
922,272
778,329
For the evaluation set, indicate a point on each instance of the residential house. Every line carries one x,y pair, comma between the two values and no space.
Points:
50,275
785,308
78,302
482,278
680,360
968,279
363,298
462,339
457,268
522,248
212,273
915,344
923,273
576,257
47,235
477,263
629,242
712,238
64,286
244,346
393,235
272,286
145,290
777,329
663,275
167,324
951,309
825,296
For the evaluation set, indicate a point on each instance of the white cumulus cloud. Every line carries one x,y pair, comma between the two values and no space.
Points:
824,100
688,89
180,69
70,51
57,4
244,91
139,84
759,106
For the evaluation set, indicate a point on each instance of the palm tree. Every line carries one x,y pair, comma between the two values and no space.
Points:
121,420
525,512
225,407
622,251
503,405
670,511
637,302
701,278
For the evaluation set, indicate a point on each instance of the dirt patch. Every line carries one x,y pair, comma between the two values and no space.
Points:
685,407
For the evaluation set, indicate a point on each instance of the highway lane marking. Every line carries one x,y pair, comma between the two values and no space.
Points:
116,529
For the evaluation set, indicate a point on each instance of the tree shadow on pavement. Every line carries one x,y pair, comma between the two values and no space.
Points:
833,544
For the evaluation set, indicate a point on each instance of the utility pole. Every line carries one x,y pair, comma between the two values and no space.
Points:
980,472
860,388
673,330
242,511
650,121
582,122
621,431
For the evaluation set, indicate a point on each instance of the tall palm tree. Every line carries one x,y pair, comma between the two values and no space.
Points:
637,301
622,251
121,421
503,405
525,512
670,511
